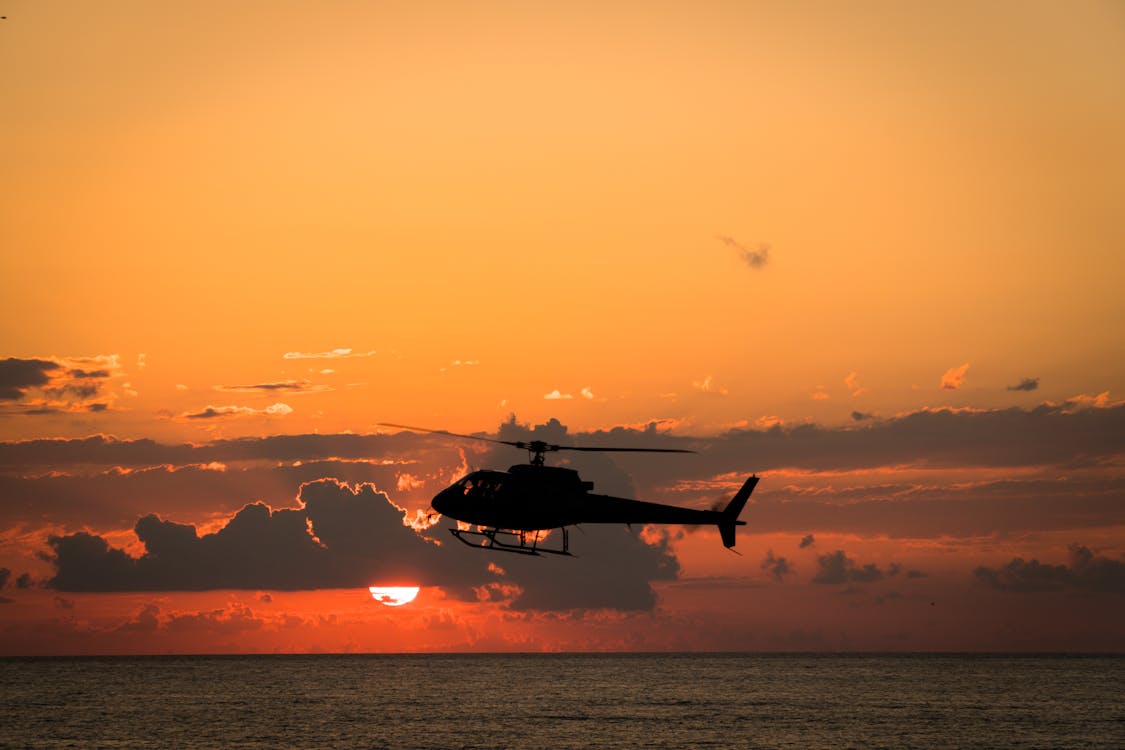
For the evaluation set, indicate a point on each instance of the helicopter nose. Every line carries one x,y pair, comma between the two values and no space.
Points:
440,503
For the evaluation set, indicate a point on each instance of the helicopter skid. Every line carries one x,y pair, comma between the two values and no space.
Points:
528,541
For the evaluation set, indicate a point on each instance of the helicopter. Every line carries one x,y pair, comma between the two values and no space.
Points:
512,509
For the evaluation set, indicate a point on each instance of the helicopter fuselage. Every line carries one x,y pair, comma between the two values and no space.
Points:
531,498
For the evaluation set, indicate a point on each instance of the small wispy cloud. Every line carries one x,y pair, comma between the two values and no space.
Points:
557,395
461,363
333,354
807,540
587,393
281,386
708,385
954,377
1027,384
756,258
215,412
852,382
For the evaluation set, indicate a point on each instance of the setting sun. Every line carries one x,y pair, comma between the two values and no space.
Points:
393,596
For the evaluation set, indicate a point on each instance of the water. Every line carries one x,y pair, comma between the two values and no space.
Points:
564,701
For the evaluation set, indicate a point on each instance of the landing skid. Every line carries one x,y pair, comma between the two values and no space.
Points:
520,542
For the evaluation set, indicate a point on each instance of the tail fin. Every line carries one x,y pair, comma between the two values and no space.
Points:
730,514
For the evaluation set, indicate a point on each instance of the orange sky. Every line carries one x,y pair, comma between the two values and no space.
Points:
889,232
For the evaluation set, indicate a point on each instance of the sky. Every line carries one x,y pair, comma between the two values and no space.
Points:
870,252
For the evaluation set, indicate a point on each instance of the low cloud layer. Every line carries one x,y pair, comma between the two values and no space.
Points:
1087,572
837,567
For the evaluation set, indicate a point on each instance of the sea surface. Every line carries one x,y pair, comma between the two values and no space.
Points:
564,701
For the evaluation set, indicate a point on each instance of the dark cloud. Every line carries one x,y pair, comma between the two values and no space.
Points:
115,498
943,509
859,416
24,581
778,567
756,258
78,373
612,568
836,567
1087,572
339,537
1050,434
281,386
17,375
51,386
342,536
1027,384
916,574
807,541
5,574
105,450
77,482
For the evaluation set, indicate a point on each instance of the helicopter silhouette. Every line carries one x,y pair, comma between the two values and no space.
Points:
512,509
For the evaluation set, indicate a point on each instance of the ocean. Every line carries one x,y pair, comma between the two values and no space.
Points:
565,701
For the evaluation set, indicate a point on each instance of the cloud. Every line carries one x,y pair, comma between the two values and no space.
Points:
343,535
708,385
339,536
954,377
213,412
1053,455
778,567
555,395
852,382
1087,572
836,567
807,540
587,393
860,416
281,386
18,375
5,573
57,384
333,354
756,258
1027,384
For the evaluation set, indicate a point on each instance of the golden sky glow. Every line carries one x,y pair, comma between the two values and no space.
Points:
285,218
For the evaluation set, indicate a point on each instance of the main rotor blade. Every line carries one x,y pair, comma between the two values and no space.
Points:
622,450
534,445
450,434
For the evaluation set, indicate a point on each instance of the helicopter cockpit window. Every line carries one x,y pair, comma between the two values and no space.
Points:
466,486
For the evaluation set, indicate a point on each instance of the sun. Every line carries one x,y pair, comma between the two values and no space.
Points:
393,596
